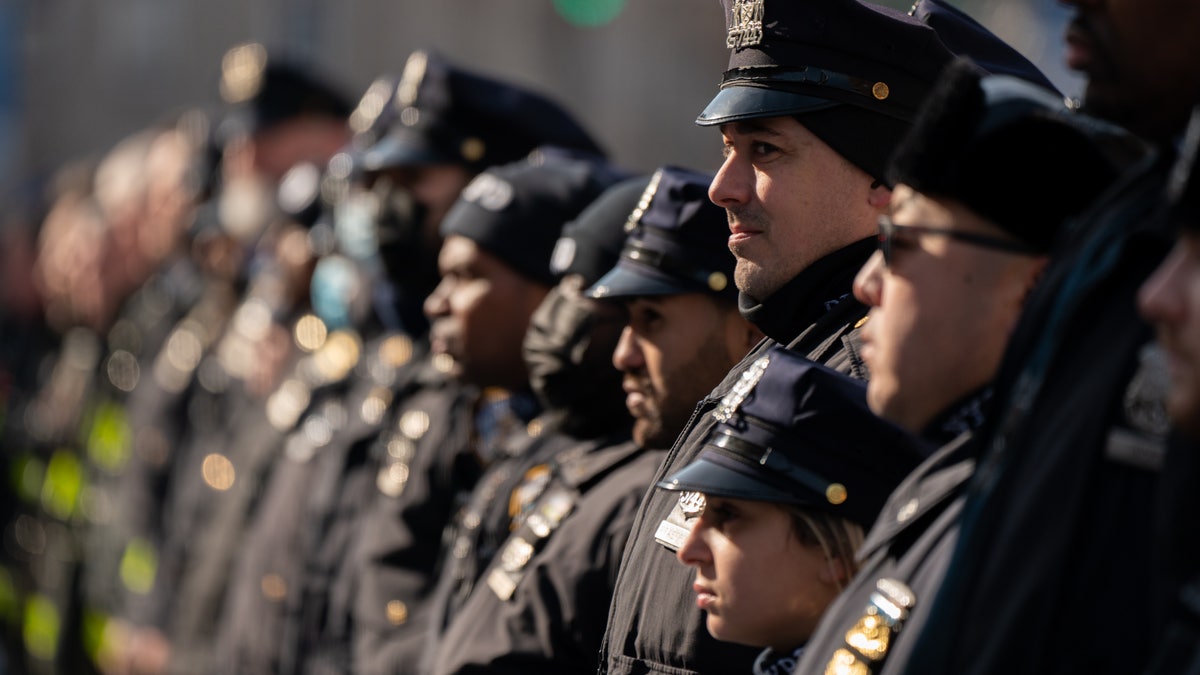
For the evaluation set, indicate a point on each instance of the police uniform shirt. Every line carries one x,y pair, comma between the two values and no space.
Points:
542,604
1053,568
654,624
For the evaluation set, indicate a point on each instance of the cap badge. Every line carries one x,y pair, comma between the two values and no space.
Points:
745,24
644,203
410,81
489,192
691,503
745,384
242,71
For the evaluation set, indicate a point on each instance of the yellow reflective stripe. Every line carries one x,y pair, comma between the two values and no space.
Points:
64,481
139,564
41,627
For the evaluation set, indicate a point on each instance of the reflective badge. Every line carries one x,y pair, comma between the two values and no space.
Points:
745,24
692,503
745,384
868,641
520,548
1142,443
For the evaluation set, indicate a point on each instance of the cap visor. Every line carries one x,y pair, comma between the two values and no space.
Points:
400,150
720,476
627,280
742,102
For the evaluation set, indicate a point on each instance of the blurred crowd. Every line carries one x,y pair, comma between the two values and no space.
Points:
420,380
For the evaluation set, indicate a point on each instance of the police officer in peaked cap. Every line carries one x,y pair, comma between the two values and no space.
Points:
816,96
786,485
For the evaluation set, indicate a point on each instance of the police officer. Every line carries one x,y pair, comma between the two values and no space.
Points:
568,353
495,272
281,113
1070,463
1170,302
816,96
541,605
957,257
790,478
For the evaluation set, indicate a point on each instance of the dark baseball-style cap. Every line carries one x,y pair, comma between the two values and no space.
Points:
854,73
997,144
677,242
796,432
591,244
516,211
446,114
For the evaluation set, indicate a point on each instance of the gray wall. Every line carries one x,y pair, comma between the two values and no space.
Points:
83,73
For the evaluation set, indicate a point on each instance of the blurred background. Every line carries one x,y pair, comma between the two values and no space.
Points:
76,76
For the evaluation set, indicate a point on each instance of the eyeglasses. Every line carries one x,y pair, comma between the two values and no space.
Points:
888,230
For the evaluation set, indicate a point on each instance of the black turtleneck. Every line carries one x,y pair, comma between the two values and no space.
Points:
800,302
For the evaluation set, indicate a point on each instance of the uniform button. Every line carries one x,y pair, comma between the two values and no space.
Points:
908,510
397,612
274,588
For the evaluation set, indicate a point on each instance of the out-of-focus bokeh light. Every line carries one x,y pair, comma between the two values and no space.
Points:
589,13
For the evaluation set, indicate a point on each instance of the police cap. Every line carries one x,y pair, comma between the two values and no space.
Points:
999,145
265,92
854,73
677,242
796,432
445,114
1183,190
516,211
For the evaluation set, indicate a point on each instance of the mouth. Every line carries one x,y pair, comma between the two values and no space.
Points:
635,397
1080,53
704,597
739,233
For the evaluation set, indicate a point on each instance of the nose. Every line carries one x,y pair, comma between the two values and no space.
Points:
437,303
694,552
734,183
867,282
628,357
1158,298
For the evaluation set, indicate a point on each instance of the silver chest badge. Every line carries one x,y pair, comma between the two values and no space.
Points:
745,384
745,24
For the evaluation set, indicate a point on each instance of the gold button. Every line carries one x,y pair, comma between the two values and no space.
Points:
860,322
880,90
274,588
397,612
836,493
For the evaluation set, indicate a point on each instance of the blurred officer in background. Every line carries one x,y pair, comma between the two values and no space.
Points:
495,268
1072,462
958,256
280,112
816,97
792,476
1170,299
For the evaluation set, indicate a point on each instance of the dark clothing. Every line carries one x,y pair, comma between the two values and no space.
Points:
1052,570
654,625
431,463
273,561
541,605
911,542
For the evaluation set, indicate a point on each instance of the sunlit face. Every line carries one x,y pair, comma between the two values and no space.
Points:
479,312
672,353
790,198
756,582
1140,60
941,312
1171,299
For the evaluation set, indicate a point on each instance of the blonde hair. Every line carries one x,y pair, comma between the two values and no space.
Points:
838,538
